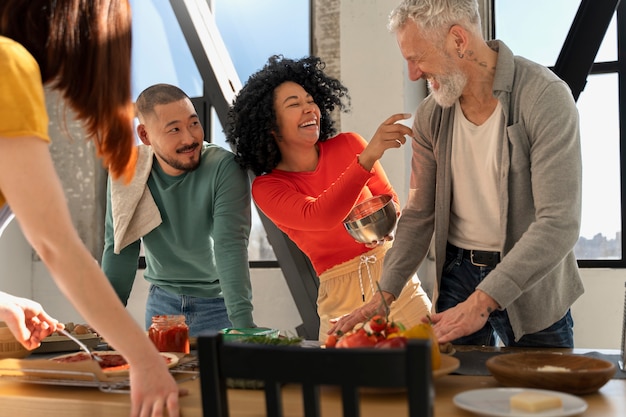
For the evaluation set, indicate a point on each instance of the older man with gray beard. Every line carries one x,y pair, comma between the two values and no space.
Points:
496,179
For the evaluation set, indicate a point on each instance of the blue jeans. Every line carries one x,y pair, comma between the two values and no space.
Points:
460,278
201,314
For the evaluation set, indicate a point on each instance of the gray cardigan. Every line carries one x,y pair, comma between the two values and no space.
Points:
539,194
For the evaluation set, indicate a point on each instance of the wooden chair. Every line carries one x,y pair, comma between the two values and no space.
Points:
350,369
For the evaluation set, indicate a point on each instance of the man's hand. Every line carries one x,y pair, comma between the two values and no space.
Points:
463,319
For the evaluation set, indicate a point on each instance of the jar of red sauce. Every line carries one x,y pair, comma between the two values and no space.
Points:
169,333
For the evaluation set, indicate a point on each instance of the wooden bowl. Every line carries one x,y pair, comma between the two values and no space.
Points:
9,346
575,374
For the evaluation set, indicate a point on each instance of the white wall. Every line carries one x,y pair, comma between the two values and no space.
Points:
15,262
599,313
373,70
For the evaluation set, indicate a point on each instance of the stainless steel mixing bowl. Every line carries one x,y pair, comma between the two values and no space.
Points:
372,219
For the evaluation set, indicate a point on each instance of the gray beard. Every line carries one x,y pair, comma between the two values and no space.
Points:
450,88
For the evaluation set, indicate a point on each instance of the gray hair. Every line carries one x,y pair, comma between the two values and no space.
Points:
436,16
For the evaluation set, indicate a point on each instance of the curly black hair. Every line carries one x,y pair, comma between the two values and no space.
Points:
252,117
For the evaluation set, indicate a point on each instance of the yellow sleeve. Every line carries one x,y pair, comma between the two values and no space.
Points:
22,102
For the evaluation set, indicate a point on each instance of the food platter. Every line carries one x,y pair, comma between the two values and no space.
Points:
87,373
113,363
58,343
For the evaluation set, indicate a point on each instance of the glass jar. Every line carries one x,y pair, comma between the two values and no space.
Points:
169,333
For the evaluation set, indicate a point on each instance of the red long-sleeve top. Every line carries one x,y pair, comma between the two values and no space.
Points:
310,206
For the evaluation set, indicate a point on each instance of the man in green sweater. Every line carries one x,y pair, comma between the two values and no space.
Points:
190,204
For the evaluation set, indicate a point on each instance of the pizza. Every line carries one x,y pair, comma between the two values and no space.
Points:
113,363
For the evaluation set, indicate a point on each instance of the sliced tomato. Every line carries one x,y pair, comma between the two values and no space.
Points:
378,337
392,328
360,338
378,323
331,341
394,342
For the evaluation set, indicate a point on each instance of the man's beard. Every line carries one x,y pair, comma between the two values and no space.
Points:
183,166
187,167
451,87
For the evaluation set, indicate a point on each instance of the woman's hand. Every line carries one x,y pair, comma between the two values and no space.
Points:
27,320
153,390
388,135
373,307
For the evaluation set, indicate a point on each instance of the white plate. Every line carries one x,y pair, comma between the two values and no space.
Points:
496,402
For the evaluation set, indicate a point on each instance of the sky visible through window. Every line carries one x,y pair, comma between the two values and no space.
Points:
536,29
252,31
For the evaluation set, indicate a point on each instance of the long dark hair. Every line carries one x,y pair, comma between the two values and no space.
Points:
252,118
83,50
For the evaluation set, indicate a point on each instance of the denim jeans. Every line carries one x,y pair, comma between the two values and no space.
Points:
460,278
201,314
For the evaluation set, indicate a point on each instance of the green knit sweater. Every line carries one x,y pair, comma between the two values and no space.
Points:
200,248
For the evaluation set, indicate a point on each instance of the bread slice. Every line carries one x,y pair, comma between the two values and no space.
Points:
534,402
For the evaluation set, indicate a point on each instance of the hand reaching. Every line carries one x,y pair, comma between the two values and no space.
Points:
154,391
388,135
463,319
27,320
375,306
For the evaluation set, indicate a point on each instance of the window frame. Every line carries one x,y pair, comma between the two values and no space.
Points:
597,68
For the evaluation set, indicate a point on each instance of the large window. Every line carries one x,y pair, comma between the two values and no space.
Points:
537,29
160,53
252,31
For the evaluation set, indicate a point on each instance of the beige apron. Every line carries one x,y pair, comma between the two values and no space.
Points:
347,286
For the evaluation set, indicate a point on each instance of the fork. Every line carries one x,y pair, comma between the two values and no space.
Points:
82,345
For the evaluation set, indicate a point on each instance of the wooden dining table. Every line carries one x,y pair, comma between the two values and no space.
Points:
20,399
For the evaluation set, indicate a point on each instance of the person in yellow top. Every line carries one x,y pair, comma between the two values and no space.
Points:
82,49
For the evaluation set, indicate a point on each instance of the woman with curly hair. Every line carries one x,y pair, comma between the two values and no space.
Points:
81,48
309,178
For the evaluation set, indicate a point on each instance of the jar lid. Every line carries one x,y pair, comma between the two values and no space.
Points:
165,318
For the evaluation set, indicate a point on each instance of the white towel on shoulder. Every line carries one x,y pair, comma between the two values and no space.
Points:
134,211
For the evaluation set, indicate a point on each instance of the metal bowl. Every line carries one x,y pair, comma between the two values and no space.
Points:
372,219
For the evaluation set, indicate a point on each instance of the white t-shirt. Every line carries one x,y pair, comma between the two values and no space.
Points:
475,215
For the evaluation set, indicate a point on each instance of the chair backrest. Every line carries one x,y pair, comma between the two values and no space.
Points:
311,367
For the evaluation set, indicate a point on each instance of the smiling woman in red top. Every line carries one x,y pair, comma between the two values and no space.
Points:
309,178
